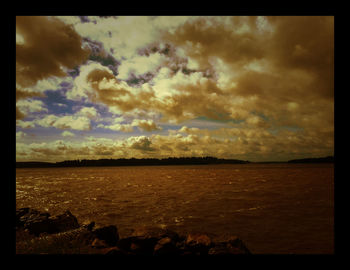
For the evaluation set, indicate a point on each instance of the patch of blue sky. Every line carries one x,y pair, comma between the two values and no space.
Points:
57,103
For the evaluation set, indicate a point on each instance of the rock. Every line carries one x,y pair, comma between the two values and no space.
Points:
37,222
114,251
27,215
141,247
34,221
19,214
144,239
98,243
165,246
125,243
219,249
154,232
39,229
198,243
90,226
237,245
109,234
63,222
231,245
224,248
198,239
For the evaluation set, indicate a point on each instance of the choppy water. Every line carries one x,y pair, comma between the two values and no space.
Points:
274,208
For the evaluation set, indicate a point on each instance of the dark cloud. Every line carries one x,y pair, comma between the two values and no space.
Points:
217,40
135,80
305,43
49,45
99,54
166,49
21,94
141,143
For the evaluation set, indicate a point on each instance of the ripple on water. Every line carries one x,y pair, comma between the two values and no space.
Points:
210,198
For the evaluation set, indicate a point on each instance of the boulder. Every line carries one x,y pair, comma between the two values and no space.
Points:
27,215
37,222
89,225
141,247
237,246
109,234
98,243
34,221
19,214
165,246
198,243
114,251
144,239
125,243
147,232
63,222
219,249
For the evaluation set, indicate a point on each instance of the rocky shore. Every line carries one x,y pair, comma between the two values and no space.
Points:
40,233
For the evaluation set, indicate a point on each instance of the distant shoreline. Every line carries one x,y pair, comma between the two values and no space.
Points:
159,162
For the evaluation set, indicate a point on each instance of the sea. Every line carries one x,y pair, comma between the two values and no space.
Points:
276,208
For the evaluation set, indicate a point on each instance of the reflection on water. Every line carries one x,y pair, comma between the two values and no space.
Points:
274,208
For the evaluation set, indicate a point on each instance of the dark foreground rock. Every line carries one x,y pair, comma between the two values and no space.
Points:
40,233
37,222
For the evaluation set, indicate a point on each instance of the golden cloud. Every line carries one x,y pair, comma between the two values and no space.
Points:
275,75
46,47
244,143
147,125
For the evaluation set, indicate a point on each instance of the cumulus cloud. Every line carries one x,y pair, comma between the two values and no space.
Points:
245,143
64,122
46,46
20,135
186,129
139,65
141,143
25,124
122,36
29,106
172,95
67,133
89,112
37,60
266,83
147,125
117,127
81,88
286,60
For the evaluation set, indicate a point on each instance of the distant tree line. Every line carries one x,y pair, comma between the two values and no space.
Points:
155,162
328,159
132,162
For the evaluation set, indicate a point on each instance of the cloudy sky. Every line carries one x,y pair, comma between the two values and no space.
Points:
253,88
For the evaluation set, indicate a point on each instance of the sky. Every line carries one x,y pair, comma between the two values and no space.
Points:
242,87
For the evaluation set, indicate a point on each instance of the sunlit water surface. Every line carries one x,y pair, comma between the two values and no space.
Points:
274,208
